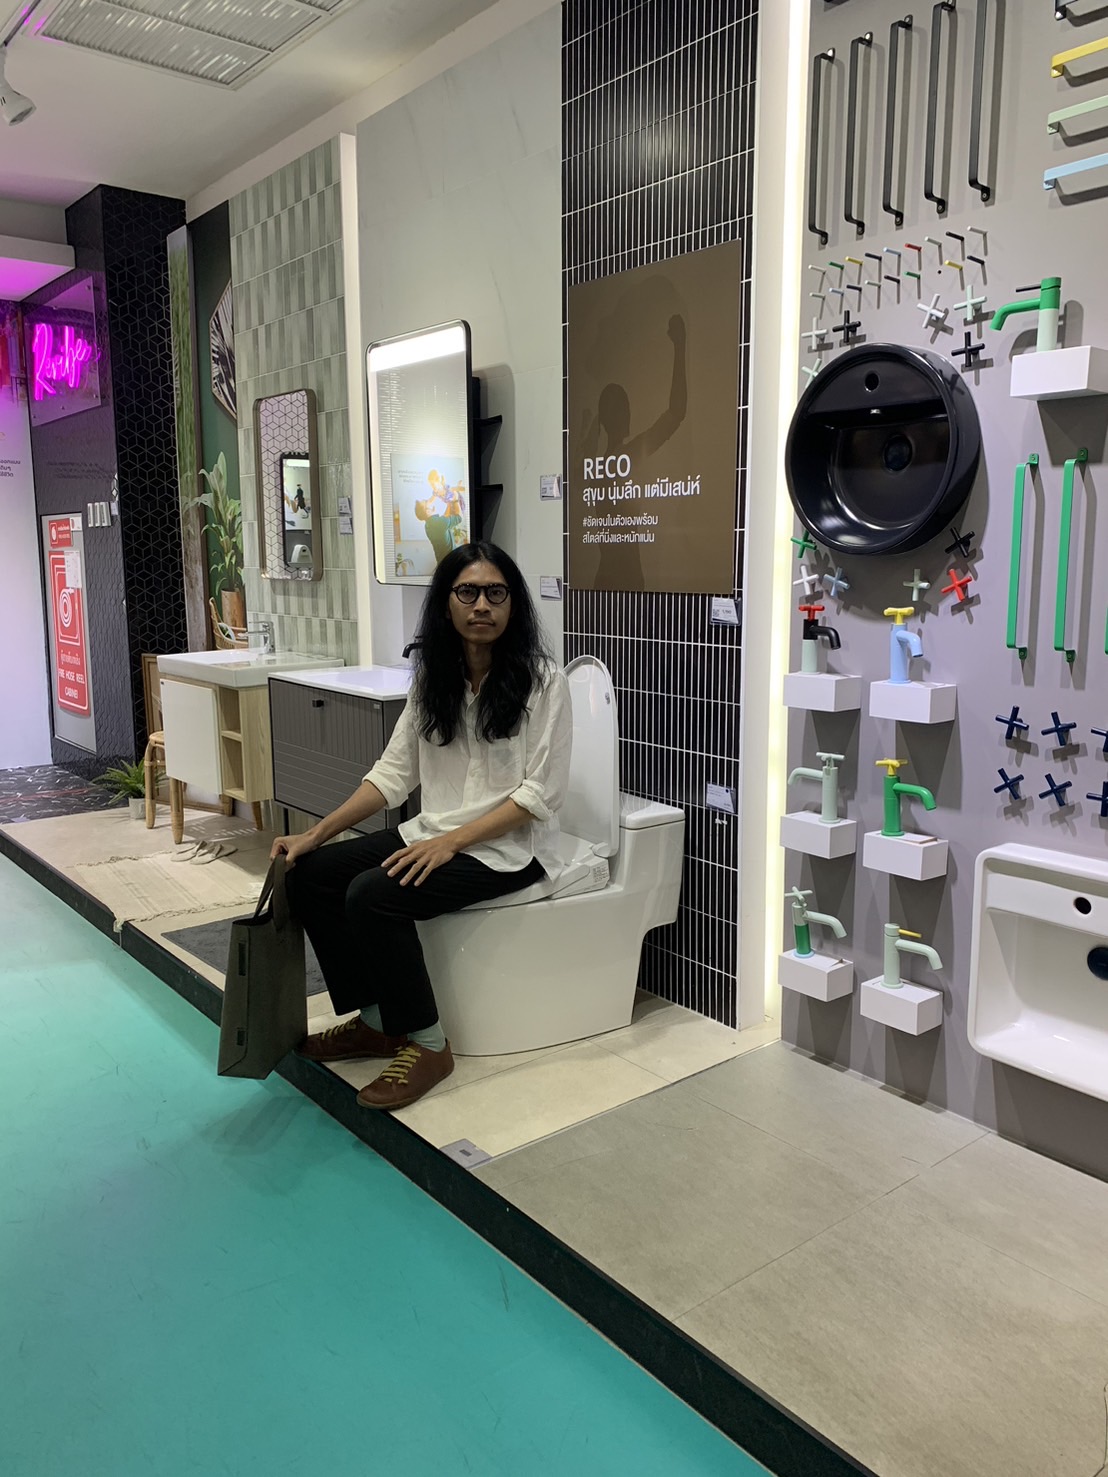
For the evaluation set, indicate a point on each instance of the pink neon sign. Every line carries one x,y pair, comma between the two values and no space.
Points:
58,360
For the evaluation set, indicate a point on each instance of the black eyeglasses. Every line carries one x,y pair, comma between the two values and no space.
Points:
469,594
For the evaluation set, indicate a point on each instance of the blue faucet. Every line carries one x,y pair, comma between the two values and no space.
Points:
903,644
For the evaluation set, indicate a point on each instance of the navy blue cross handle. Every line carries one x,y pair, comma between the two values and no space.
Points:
1101,733
1063,731
1102,799
1058,791
1014,724
1012,784
963,544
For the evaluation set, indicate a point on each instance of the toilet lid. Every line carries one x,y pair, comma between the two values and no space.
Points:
591,808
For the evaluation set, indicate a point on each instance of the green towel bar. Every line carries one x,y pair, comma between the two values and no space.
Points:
1078,110
1065,538
1016,560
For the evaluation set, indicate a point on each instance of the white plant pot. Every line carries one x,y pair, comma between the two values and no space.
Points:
136,804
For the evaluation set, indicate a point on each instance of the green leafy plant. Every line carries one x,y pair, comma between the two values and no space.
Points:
223,528
127,782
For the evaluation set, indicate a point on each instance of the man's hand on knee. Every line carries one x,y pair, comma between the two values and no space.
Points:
413,864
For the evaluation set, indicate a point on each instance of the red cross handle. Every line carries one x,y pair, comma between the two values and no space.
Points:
958,585
811,611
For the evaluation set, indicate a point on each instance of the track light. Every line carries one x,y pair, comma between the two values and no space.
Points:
14,107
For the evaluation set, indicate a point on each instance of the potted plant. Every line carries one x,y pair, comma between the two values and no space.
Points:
224,531
127,782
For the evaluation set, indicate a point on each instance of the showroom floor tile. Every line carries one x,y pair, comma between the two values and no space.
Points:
677,1199
921,1350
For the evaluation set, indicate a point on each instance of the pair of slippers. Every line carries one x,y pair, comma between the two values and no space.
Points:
201,852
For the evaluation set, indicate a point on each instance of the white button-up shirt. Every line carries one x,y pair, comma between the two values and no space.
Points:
467,778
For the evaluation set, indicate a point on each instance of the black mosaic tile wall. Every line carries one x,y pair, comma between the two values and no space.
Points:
658,159
134,592
136,270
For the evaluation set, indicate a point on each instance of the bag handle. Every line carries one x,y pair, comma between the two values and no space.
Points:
273,897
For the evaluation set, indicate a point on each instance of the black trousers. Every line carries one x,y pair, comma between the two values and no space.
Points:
362,923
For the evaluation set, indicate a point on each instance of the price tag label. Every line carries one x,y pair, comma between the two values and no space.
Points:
550,487
721,797
726,611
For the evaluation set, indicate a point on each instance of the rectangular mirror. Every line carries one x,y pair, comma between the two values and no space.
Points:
420,450
287,473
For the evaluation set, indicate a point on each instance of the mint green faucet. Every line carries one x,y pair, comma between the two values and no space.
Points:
1048,305
828,778
899,941
803,916
894,788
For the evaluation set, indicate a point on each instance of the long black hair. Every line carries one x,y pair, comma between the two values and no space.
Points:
519,655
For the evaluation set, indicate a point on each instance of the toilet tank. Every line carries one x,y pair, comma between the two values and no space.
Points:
591,808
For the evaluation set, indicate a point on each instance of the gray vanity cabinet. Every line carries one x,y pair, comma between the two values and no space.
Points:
324,742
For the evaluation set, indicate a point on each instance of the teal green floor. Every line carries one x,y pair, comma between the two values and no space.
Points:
213,1277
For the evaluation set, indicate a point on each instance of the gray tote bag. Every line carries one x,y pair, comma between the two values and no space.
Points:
265,1006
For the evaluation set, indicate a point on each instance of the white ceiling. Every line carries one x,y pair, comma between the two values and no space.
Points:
104,121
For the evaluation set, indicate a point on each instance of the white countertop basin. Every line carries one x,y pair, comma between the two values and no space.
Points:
374,682
240,668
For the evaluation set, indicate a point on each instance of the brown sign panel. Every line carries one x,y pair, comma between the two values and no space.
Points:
653,426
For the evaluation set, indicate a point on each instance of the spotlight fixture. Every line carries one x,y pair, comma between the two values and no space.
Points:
14,107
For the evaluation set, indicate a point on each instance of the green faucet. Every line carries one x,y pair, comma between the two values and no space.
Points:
894,788
803,916
899,941
1048,305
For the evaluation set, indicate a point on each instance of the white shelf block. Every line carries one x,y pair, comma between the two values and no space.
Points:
804,831
823,692
911,1008
1060,374
819,976
913,702
919,858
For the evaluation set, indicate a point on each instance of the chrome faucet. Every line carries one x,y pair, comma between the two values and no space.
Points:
264,629
899,941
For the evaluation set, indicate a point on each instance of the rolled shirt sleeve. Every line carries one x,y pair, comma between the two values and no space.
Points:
547,752
396,773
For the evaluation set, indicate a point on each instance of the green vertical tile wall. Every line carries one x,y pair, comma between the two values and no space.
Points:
290,334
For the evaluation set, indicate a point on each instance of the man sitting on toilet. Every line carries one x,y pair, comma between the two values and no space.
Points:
486,735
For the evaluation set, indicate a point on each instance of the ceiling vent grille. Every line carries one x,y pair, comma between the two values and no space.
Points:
220,41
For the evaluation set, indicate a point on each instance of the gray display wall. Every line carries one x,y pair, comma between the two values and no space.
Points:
1030,233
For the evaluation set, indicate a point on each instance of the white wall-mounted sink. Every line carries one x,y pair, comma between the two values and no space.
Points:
375,682
1038,996
240,668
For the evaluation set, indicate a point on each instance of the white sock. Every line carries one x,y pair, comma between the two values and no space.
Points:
371,1015
433,1038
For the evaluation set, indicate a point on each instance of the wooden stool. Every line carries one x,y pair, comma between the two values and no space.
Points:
153,761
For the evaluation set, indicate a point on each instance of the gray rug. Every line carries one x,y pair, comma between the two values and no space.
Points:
211,941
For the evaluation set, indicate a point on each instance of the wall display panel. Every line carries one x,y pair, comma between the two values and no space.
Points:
1003,283
658,136
653,422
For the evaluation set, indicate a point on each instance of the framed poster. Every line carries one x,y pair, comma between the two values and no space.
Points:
653,425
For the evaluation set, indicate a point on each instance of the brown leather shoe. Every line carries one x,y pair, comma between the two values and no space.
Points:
414,1071
349,1041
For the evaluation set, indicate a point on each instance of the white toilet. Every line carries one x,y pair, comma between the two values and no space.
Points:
555,963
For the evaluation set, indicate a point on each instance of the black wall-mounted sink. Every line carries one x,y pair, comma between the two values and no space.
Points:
883,450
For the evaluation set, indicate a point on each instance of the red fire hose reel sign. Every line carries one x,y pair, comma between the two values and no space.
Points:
67,601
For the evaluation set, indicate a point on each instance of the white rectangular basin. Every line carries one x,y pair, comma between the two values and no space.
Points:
1037,1000
243,668
375,682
